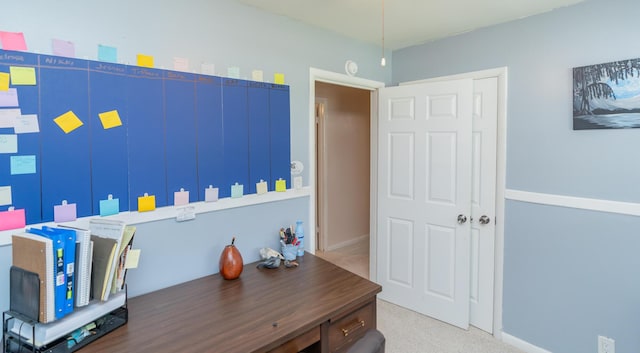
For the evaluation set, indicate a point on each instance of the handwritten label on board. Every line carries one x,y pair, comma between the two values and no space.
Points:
25,124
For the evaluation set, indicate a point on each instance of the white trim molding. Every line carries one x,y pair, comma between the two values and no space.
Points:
625,208
522,345
171,212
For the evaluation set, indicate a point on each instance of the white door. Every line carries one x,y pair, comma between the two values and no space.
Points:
483,202
424,198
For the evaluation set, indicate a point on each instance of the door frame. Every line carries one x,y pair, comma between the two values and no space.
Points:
318,75
501,160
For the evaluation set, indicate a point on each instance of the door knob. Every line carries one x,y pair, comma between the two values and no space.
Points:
484,219
462,219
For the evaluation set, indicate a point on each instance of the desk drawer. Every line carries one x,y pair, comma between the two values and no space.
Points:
344,331
299,343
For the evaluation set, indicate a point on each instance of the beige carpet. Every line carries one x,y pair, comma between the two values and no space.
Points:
409,332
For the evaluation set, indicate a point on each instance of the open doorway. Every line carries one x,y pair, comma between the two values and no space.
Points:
343,145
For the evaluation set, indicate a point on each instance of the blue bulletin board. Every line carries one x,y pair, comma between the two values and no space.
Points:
133,130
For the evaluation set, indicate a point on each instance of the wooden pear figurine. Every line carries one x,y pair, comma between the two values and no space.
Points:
230,261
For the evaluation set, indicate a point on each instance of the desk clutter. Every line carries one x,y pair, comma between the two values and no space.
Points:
291,246
67,285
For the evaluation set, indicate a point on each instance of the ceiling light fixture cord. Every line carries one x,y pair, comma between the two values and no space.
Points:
383,61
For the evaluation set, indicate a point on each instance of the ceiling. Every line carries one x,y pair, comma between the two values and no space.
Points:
406,22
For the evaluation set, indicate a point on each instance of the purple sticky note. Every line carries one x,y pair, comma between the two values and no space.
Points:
13,41
9,98
63,48
64,212
12,219
180,197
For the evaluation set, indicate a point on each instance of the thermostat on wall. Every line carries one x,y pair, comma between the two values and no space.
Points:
351,67
296,167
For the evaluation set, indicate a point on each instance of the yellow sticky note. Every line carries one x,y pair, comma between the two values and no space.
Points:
68,122
133,257
261,187
278,78
145,60
146,203
281,185
4,81
25,76
110,119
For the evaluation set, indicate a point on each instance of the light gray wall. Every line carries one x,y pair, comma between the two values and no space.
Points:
558,262
222,32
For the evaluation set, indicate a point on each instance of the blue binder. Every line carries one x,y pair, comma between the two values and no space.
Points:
64,249
59,276
69,237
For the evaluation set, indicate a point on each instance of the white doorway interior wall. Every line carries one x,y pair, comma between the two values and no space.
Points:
317,75
343,119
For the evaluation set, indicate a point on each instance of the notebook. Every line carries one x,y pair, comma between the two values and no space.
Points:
35,253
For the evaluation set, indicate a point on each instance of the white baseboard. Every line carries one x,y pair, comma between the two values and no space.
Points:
347,243
522,345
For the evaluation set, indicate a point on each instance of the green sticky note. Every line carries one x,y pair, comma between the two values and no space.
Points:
25,76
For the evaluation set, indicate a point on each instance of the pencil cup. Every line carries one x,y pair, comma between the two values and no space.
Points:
289,252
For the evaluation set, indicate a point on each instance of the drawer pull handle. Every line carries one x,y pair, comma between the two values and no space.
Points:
357,325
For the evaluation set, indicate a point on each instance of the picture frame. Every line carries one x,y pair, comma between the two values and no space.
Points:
607,95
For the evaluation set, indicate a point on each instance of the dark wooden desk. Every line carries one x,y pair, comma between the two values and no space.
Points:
318,307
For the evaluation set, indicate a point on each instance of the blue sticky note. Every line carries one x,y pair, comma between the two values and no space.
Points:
23,165
108,54
109,207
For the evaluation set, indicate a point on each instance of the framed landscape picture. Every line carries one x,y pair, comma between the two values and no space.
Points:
607,96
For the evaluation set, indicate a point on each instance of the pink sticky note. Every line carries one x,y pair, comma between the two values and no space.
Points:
180,198
63,48
64,212
12,219
210,194
13,41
